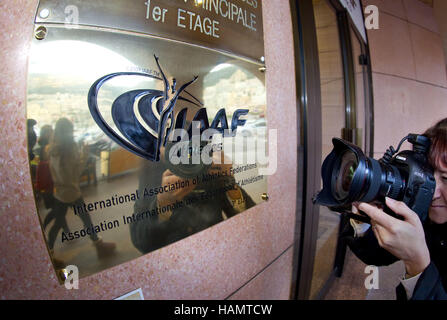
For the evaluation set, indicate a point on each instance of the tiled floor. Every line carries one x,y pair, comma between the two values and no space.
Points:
351,285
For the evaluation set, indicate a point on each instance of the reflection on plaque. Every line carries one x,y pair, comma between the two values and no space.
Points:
140,141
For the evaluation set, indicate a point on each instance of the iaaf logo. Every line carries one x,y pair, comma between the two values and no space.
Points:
145,117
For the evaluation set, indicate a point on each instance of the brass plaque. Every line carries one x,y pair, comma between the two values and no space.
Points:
112,177
234,26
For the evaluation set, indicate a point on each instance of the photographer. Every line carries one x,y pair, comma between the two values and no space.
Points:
204,204
421,247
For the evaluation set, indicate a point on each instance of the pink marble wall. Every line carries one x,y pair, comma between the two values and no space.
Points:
409,74
212,264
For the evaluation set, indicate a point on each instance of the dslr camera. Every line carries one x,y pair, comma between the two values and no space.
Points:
349,176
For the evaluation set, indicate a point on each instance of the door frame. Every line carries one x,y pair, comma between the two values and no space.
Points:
309,106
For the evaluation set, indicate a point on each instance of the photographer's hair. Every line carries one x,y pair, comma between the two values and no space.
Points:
438,137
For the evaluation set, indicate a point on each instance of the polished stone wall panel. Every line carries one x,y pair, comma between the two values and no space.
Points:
211,264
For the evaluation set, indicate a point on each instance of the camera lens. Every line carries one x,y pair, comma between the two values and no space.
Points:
345,175
349,176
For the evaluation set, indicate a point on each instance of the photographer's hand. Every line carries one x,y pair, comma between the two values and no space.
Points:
171,197
223,166
405,239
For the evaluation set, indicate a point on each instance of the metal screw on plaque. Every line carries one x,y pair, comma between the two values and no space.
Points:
63,274
265,197
41,33
263,69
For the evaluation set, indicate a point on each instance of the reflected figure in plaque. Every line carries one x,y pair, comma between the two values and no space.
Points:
183,206
66,164
44,182
32,138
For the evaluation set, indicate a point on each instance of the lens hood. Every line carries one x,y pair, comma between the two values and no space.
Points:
330,171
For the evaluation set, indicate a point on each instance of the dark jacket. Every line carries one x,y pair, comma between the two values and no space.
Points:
433,281
204,210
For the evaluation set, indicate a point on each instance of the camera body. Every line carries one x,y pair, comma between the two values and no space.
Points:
349,176
421,183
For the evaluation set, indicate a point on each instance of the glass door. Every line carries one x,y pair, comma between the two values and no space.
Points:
363,103
333,121
333,77
345,113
